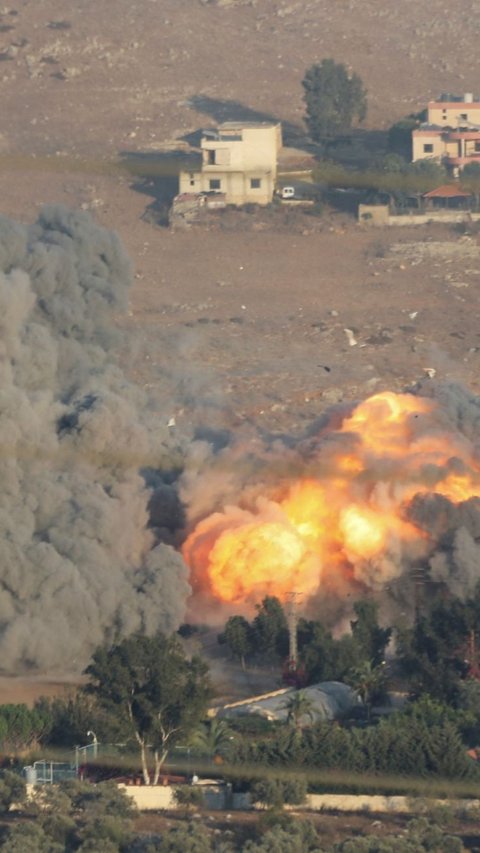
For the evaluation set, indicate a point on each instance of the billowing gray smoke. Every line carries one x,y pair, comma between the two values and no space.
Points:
78,561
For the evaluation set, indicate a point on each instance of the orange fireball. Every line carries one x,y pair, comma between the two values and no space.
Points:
348,521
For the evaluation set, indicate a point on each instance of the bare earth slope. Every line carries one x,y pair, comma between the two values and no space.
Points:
242,326
245,321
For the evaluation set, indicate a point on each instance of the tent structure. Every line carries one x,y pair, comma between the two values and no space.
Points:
329,700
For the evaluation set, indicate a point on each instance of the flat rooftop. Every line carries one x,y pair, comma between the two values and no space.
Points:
242,125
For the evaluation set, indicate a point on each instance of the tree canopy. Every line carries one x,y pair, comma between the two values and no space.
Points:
334,99
158,693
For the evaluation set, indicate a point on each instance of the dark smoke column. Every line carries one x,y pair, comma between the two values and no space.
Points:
78,564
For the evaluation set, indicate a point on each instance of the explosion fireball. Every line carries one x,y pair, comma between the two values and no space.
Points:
374,499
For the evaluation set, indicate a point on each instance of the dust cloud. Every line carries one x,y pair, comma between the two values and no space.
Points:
79,562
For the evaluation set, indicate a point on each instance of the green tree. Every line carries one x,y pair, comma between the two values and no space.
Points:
426,174
186,838
152,688
432,654
30,838
270,630
297,836
276,792
399,139
12,789
324,658
334,99
368,681
213,738
238,637
189,797
22,728
299,707
366,631
73,716
77,816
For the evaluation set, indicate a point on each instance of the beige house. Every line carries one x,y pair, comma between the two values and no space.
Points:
239,159
451,133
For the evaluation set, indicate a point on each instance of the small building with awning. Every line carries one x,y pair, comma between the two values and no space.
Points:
448,196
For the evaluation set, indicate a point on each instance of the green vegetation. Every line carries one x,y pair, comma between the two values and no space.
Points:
400,134
77,816
189,797
265,639
22,728
334,100
212,739
278,792
154,691
148,693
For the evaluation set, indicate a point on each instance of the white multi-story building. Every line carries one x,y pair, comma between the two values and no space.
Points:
239,160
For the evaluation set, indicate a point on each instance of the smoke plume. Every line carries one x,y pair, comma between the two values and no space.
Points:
79,563
384,495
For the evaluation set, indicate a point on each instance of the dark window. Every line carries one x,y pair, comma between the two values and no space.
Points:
428,148
211,158
215,183
477,146
255,183
192,182
464,116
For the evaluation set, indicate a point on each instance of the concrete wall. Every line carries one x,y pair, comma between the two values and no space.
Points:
434,216
158,797
380,217
373,214
151,797
379,804
161,797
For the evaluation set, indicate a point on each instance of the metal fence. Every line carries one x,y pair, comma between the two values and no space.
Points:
49,772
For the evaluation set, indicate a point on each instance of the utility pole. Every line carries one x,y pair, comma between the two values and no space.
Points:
293,674
292,621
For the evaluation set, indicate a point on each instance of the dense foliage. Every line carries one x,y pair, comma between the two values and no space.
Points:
77,816
334,98
265,640
149,684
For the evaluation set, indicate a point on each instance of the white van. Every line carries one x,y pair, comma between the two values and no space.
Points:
287,192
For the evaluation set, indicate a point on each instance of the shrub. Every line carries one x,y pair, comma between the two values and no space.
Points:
189,796
12,789
275,792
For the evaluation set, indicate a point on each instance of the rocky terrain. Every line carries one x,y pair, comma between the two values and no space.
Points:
240,322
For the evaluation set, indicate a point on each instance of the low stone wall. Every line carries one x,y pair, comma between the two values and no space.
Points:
378,216
440,216
158,797
359,803
218,797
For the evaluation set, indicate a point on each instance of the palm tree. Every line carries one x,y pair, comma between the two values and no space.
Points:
367,680
213,738
298,706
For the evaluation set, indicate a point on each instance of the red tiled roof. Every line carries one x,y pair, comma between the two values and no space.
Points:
447,191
